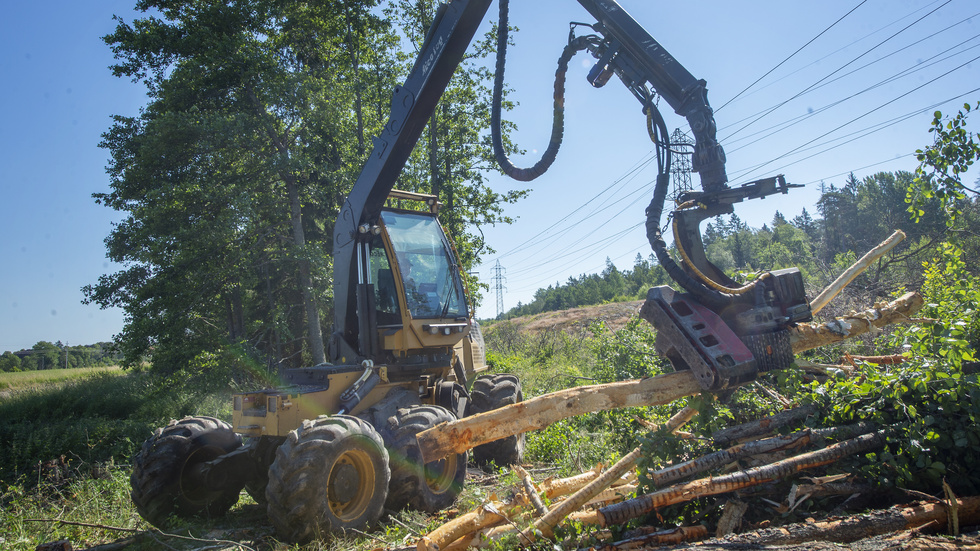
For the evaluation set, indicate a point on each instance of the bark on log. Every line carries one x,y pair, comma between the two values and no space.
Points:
718,459
762,426
853,528
807,336
622,512
467,526
855,270
536,413
531,491
731,518
680,534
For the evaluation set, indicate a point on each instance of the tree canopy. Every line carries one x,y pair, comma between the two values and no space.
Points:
258,120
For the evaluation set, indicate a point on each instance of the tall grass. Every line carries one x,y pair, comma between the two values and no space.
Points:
28,379
104,417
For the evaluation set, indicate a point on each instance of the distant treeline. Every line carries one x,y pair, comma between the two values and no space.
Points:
847,222
46,355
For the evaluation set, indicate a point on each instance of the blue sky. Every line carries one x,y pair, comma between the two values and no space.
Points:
59,97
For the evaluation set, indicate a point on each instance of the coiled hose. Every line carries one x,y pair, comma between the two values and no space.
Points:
558,118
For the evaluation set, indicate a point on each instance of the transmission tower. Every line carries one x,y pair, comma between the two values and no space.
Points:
497,281
680,166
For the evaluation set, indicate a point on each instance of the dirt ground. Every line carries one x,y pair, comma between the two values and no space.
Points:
578,319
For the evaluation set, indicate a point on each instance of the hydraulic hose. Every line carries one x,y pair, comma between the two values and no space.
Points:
711,297
558,120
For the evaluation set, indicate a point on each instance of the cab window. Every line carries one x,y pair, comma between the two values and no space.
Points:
425,265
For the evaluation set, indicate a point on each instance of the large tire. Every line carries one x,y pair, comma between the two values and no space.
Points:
161,481
428,487
490,392
330,475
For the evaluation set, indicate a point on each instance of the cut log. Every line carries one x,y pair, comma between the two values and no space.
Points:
536,413
542,411
478,521
807,336
763,426
554,487
855,270
853,528
546,524
892,359
468,524
641,505
680,534
716,460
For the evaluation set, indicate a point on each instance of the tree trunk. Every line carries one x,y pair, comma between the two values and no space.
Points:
807,336
299,236
305,281
536,413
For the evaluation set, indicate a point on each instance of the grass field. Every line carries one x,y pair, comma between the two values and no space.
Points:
29,379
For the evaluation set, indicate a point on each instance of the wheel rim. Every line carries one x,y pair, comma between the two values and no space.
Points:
441,475
350,486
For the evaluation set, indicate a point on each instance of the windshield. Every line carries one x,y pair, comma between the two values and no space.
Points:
428,271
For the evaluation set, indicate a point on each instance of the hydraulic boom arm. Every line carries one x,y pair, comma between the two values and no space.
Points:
412,104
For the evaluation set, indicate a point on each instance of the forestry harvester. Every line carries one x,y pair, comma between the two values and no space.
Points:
336,444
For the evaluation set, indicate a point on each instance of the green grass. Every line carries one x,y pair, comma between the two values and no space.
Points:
23,380
90,426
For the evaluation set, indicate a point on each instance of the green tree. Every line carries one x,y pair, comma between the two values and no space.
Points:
941,165
9,362
231,176
46,355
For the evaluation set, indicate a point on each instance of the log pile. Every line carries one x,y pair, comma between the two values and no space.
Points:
601,497
542,411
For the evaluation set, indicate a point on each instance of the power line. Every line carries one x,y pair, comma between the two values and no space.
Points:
791,55
887,103
866,52
776,128
630,173
844,47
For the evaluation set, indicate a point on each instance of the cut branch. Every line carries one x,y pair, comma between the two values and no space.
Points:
531,491
855,270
